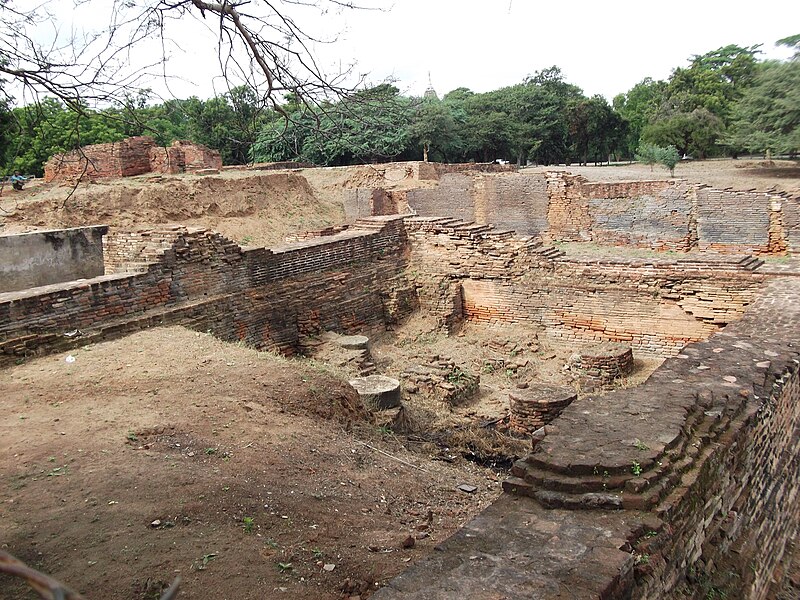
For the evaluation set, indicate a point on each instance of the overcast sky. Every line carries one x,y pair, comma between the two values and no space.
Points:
603,47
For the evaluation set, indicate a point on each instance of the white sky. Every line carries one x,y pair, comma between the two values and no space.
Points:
603,47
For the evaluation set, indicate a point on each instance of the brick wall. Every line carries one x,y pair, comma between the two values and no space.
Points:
46,257
686,486
268,298
657,306
514,201
132,156
118,159
667,215
452,196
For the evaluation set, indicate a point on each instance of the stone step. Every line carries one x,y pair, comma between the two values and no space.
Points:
750,263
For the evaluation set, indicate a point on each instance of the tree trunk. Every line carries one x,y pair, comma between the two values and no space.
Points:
425,152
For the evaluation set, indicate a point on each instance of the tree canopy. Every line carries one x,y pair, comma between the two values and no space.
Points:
724,102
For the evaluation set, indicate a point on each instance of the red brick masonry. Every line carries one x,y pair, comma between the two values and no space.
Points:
132,156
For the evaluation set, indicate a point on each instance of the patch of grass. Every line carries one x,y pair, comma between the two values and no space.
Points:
202,564
58,471
247,524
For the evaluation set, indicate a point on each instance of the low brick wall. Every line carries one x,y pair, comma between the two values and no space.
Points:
267,298
46,257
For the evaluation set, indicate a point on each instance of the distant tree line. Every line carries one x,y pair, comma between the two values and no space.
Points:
726,102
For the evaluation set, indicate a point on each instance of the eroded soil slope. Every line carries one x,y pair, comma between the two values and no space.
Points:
172,453
249,208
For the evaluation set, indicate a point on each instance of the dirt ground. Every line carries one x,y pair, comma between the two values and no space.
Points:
172,453
250,207
260,208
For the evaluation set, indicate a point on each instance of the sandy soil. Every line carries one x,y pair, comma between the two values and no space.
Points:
172,453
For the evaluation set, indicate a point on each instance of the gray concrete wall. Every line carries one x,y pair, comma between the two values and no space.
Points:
45,257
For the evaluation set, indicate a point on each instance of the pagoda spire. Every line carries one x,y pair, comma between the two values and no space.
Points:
430,93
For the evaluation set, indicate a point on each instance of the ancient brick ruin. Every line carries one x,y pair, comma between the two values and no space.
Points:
637,493
132,156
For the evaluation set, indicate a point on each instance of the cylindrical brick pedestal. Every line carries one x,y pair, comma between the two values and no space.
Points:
603,363
537,405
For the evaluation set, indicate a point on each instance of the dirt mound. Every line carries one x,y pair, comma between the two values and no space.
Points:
328,397
252,209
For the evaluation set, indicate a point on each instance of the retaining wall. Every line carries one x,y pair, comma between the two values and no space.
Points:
657,306
684,487
268,298
667,215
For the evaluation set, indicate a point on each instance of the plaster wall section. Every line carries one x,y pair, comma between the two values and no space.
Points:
45,257
790,208
517,202
731,219
453,196
645,214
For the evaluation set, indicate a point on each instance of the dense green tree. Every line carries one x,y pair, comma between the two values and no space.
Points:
694,133
699,100
41,130
637,107
793,41
595,129
548,116
767,118
371,125
433,127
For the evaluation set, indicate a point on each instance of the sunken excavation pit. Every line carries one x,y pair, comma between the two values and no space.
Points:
642,404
